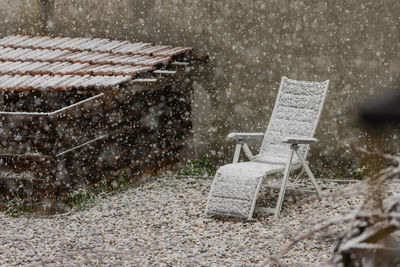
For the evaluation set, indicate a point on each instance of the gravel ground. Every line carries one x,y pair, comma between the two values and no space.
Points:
162,223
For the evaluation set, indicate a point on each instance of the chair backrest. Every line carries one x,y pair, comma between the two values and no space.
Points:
296,113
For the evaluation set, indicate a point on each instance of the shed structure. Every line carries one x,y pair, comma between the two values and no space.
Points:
74,111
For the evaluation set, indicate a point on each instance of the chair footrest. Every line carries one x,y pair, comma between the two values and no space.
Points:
232,193
231,207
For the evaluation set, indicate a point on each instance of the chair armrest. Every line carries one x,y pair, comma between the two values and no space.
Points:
300,140
244,136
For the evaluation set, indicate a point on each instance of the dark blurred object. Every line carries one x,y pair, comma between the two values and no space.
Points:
382,109
370,242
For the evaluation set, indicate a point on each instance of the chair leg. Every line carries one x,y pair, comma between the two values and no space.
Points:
247,151
308,171
253,204
283,185
237,153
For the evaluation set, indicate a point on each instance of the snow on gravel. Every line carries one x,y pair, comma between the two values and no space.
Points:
162,223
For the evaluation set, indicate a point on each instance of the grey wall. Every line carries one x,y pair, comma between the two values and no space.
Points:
251,44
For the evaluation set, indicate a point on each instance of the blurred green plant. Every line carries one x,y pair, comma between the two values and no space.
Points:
360,173
82,199
16,207
199,167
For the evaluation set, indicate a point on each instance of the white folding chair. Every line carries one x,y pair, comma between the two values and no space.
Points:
284,148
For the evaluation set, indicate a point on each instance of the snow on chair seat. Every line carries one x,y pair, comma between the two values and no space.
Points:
290,130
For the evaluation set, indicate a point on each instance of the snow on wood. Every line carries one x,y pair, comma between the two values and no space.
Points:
94,45
173,51
59,82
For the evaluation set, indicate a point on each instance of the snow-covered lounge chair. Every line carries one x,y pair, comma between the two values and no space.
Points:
290,131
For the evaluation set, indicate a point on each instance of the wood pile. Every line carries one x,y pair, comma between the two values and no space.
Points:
74,111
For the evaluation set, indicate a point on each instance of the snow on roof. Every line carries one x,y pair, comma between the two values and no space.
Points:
30,62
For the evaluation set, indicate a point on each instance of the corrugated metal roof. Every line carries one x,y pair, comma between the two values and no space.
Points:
62,63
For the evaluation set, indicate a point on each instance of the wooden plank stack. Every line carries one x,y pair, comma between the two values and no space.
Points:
74,111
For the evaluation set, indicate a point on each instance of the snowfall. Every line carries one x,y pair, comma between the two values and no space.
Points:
162,223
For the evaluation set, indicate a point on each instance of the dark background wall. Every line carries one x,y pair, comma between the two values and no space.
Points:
251,44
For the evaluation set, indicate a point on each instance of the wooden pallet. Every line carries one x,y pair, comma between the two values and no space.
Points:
103,107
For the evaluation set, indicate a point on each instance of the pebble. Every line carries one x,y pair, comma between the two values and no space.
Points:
162,223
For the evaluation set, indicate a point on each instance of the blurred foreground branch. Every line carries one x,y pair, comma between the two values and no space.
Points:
368,241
